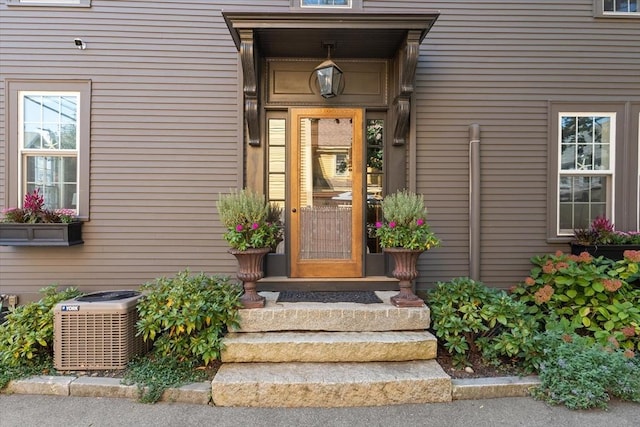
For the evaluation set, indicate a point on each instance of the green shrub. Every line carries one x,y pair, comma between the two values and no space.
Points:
471,318
187,315
591,295
27,335
26,338
578,374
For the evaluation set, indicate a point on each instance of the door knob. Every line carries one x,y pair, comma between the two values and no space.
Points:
294,210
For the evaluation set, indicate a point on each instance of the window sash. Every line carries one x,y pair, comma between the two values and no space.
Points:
53,3
585,184
48,146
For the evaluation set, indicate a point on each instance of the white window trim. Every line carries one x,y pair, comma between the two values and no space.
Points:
610,202
13,181
598,11
52,3
353,5
23,152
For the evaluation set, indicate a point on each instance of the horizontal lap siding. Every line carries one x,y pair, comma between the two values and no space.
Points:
498,64
165,122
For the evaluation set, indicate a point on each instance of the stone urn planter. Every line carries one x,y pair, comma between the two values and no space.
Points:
250,270
405,270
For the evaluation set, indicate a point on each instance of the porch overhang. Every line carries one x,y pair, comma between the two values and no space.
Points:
305,34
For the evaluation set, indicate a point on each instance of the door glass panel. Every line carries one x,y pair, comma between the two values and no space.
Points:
325,182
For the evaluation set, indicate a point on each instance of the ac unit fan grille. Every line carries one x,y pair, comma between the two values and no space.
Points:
85,340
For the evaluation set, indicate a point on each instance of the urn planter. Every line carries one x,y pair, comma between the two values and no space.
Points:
406,261
250,270
614,252
41,234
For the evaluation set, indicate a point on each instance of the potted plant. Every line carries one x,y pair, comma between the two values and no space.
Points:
601,239
254,229
405,234
35,225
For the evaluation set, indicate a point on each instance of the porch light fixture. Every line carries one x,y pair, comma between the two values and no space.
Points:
329,75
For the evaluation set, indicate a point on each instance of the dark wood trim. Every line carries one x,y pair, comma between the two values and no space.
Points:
408,62
248,54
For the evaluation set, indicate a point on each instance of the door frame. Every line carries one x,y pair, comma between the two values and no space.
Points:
326,268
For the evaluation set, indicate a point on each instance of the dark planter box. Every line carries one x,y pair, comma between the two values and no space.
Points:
613,252
13,234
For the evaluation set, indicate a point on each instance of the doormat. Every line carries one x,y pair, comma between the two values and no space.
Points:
361,297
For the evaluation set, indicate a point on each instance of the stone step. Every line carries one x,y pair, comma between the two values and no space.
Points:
330,384
329,346
345,317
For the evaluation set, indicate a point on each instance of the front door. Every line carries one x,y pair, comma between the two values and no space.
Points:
326,192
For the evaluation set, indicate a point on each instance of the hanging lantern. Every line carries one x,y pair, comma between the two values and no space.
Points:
329,76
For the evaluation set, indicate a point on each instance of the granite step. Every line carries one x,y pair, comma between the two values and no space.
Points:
343,317
328,346
330,384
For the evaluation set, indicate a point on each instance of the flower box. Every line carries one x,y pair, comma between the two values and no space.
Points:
41,234
614,252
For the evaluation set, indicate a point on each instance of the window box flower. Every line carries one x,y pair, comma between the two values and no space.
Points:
601,239
34,225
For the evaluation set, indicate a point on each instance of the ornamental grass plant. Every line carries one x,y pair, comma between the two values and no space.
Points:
405,223
250,220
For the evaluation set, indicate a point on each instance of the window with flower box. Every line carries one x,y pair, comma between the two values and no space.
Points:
48,144
594,166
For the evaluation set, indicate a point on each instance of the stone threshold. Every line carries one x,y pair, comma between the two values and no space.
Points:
200,393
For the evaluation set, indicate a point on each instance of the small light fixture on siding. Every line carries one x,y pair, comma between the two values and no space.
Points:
329,75
80,44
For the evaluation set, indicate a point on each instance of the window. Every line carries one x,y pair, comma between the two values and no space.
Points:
48,144
585,172
71,3
593,166
327,4
617,8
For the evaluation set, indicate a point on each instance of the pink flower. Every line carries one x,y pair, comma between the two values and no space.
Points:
420,221
255,226
239,227
392,224
378,224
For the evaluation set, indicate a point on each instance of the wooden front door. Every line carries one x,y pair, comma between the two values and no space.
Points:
326,192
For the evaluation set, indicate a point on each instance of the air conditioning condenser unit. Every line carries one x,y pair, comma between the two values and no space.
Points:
97,331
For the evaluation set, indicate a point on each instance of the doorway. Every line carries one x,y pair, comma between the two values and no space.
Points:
326,193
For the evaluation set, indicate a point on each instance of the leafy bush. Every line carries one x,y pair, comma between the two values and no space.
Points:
581,375
472,318
27,335
187,315
591,295
26,338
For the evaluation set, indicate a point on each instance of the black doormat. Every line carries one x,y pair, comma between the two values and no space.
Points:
361,297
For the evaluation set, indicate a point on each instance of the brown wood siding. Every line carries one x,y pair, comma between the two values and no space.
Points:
498,64
166,123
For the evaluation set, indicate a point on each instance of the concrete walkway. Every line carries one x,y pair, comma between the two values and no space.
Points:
52,411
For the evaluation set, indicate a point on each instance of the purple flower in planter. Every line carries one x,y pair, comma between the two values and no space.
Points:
420,221
239,228
255,226
392,224
379,224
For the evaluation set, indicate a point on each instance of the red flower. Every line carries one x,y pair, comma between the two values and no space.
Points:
633,256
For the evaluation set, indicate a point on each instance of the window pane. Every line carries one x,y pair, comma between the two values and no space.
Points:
582,199
56,177
320,3
586,143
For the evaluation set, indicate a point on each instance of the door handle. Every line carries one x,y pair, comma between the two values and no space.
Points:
294,210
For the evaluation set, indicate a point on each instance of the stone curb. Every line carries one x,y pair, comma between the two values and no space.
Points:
200,393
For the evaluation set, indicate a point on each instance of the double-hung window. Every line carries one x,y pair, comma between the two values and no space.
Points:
585,169
617,8
48,144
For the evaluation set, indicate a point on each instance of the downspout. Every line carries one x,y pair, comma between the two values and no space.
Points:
474,201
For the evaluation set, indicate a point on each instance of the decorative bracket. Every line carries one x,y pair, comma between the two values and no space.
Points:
408,61
248,55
